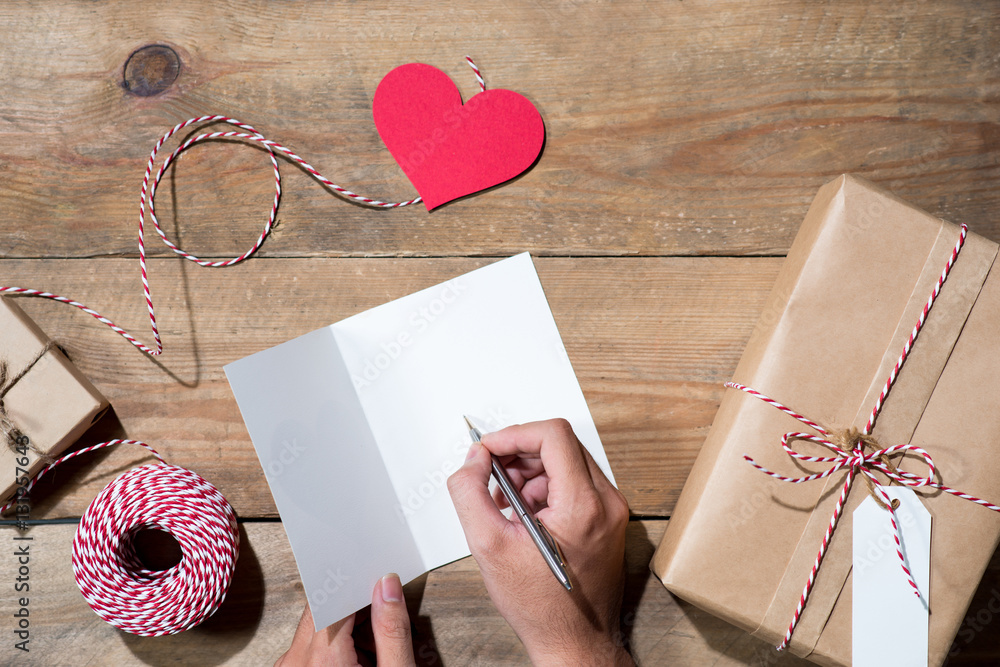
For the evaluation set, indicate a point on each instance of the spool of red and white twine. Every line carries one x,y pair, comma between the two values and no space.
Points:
112,578
109,572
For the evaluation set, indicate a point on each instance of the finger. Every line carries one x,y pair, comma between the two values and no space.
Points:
601,481
613,500
308,644
520,472
536,493
553,441
331,645
391,624
300,641
364,638
500,499
335,644
478,513
516,476
507,460
526,468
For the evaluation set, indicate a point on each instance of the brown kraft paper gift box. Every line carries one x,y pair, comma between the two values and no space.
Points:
52,404
740,544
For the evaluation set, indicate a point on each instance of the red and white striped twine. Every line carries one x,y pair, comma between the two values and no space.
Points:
856,462
479,75
159,496
248,133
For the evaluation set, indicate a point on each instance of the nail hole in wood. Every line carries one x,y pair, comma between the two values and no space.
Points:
151,70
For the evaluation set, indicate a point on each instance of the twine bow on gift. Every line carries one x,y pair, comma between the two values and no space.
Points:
9,431
860,454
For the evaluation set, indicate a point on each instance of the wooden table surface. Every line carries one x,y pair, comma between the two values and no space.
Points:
685,141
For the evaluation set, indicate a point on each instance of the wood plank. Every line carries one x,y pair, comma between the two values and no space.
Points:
700,128
651,340
707,131
454,620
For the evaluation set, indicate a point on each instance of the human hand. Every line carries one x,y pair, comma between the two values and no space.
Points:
335,645
585,514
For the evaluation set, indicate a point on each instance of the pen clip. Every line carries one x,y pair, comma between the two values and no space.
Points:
550,541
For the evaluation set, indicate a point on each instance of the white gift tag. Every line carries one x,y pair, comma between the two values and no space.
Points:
890,621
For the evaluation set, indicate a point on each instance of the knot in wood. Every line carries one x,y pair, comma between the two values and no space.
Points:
151,70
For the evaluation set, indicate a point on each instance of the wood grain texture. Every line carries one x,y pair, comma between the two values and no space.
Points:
453,619
684,142
651,340
673,128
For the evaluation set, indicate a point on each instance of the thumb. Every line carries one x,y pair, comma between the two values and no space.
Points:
481,519
391,624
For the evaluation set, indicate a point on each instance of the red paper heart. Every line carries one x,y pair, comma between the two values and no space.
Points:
447,149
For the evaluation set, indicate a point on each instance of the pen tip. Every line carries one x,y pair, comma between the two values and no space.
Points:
469,423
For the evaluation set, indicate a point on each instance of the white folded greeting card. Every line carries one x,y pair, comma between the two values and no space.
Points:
358,425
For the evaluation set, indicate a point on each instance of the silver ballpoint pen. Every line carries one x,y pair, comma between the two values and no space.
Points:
543,540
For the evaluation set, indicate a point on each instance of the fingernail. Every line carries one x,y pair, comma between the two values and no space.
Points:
392,589
473,450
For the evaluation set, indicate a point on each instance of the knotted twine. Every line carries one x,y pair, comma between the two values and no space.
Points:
9,431
850,447
851,439
163,497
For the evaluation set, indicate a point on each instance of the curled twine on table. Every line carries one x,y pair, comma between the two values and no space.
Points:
8,430
107,568
850,446
248,134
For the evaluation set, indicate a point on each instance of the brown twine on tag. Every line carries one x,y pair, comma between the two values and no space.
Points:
848,440
8,429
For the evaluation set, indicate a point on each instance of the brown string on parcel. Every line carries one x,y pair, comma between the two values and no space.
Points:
848,439
9,431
